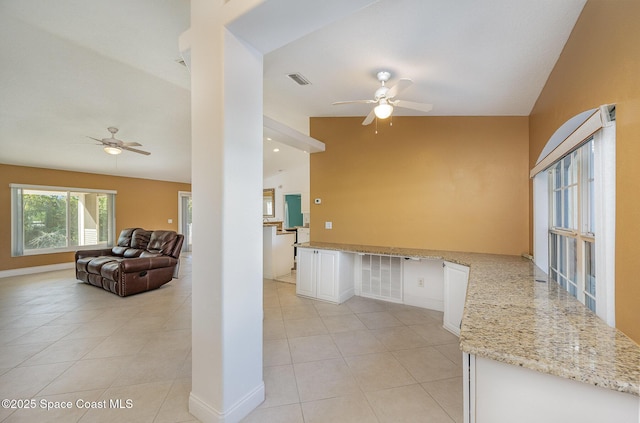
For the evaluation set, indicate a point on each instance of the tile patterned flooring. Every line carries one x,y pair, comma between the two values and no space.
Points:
361,361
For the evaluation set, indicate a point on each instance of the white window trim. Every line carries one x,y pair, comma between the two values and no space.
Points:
605,209
605,220
52,188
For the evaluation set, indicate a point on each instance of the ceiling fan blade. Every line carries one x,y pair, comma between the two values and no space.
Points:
95,139
402,85
354,101
369,118
135,150
131,144
423,107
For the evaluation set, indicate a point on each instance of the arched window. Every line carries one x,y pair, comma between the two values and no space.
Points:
574,209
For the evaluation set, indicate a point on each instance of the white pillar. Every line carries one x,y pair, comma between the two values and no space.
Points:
226,108
226,92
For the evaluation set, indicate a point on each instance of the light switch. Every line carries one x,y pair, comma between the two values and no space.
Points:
169,220
328,225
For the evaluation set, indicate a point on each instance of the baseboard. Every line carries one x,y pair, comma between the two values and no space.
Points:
346,295
430,303
241,409
35,269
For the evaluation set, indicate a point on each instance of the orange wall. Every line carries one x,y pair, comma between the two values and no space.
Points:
600,64
139,203
446,183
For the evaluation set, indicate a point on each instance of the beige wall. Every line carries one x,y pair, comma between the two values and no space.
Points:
447,183
601,64
139,203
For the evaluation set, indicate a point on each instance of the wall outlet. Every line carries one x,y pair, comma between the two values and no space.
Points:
421,282
328,225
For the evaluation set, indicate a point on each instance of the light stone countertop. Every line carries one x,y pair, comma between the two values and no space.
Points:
513,315
278,231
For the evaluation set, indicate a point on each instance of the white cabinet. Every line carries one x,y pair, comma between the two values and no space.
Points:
496,392
381,277
456,278
325,274
305,272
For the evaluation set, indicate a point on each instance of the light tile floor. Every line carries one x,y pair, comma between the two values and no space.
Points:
362,361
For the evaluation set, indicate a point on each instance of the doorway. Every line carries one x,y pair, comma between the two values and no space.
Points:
292,210
185,218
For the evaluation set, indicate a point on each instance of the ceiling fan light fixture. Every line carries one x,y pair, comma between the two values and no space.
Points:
383,110
112,150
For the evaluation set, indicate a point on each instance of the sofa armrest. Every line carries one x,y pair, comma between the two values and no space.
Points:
93,253
139,264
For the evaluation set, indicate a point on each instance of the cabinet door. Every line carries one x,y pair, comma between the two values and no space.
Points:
327,275
455,292
305,274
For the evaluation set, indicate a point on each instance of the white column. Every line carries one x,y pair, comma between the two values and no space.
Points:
226,108
227,202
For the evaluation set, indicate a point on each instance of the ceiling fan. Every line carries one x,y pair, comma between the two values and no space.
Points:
115,146
385,98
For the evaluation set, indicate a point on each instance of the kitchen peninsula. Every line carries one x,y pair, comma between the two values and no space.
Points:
277,250
531,352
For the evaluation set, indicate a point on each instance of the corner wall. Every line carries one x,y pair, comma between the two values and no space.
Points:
599,65
141,203
445,183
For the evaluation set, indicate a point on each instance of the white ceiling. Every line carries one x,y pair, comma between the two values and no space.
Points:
71,68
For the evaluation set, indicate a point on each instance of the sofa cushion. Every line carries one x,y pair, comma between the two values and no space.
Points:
132,252
124,240
95,265
140,239
162,242
82,262
119,251
110,270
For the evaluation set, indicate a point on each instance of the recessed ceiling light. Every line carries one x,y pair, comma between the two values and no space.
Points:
268,139
275,150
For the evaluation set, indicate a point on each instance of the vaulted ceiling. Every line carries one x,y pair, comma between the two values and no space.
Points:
72,68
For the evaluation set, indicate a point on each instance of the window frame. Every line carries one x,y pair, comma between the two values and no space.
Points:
17,219
604,213
572,278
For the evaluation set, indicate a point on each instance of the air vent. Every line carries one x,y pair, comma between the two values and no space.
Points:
299,79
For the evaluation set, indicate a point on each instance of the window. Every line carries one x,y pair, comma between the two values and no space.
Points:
53,219
571,233
574,199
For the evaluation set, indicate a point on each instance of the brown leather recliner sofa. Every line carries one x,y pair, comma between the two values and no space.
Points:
143,260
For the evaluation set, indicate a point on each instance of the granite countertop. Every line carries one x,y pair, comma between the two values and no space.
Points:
277,225
514,315
285,233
